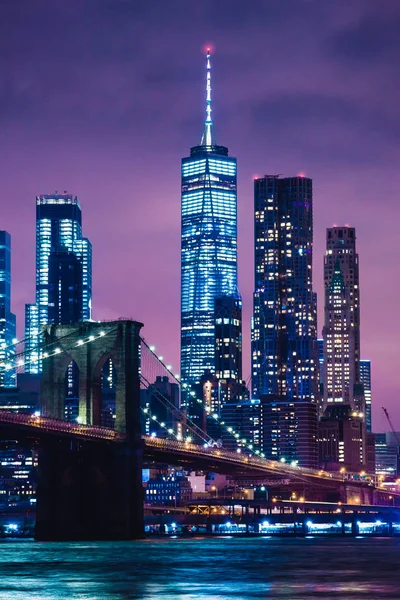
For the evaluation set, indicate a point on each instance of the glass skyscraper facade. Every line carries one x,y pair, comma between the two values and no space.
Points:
63,270
284,333
338,334
208,246
7,318
365,379
284,341
341,333
341,252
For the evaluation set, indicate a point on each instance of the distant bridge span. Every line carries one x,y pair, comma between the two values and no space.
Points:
165,451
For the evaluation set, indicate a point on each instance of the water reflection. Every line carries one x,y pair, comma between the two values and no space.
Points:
218,569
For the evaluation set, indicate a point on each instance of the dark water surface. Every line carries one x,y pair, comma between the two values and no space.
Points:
186,569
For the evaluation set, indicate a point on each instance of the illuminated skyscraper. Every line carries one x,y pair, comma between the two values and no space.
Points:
63,269
7,318
338,333
341,330
341,250
365,379
284,342
208,246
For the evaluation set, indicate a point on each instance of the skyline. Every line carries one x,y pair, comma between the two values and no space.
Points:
88,145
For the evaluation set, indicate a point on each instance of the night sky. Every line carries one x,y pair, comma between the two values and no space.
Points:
103,98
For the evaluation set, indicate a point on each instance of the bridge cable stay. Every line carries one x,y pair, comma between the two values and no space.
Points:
230,430
294,469
155,377
176,412
49,352
276,467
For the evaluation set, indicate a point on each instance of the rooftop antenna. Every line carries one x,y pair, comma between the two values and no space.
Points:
207,138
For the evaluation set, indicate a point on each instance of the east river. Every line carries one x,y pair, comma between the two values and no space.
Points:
191,569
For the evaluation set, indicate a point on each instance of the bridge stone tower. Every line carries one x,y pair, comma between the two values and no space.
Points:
91,489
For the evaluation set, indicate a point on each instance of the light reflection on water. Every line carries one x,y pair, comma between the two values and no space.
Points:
217,569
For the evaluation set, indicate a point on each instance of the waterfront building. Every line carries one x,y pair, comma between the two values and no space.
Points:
284,341
342,439
7,318
365,380
289,430
24,397
63,270
18,473
173,489
208,247
387,454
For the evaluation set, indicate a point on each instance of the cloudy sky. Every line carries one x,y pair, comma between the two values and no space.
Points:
104,97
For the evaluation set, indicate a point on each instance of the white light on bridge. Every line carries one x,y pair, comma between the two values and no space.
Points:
57,350
152,348
80,343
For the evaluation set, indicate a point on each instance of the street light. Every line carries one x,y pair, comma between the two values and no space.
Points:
215,489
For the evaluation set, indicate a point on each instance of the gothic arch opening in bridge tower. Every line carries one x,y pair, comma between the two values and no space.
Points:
71,394
104,385
108,394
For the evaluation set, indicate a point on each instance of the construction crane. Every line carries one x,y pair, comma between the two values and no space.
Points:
396,435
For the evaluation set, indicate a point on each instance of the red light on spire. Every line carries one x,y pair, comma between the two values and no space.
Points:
208,48
301,174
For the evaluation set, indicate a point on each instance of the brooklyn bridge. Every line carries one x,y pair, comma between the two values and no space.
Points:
90,476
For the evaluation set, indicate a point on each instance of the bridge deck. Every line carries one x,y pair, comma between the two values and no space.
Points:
164,450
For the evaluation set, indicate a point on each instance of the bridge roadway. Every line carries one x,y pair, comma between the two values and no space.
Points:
176,452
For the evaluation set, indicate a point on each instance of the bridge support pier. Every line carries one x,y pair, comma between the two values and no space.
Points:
89,491
92,490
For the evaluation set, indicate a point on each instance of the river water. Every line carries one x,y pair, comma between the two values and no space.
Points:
192,569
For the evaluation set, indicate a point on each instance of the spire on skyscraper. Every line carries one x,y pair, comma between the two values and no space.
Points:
207,137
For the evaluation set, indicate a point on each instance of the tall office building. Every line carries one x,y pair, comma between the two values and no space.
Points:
338,334
208,246
341,330
228,338
284,340
320,345
7,318
365,379
63,270
341,251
